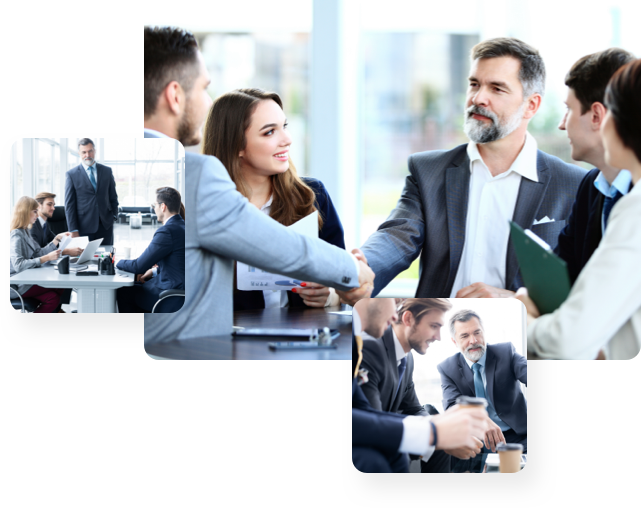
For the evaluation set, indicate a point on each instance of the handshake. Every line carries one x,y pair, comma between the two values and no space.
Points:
365,279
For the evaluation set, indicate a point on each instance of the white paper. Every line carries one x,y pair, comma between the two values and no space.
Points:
68,242
250,278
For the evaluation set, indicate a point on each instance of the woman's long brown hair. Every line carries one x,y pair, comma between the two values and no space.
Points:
224,138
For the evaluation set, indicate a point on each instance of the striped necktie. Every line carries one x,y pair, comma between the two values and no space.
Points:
92,178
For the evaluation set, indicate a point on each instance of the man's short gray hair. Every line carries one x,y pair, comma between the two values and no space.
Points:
463,316
85,142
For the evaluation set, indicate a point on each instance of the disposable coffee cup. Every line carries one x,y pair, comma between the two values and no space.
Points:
124,252
465,402
509,457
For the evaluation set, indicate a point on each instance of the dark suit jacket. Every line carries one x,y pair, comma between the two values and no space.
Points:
38,234
167,250
582,233
429,219
379,359
84,207
504,369
331,232
374,429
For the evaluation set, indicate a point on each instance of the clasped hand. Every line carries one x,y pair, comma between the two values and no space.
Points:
365,279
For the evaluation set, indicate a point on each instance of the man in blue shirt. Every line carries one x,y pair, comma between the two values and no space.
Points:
603,186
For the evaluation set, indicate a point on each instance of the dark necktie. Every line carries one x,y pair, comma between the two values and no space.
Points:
44,231
608,203
478,381
92,178
401,373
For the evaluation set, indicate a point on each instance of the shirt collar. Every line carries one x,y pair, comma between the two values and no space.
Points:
400,352
481,361
621,183
42,221
524,165
87,167
156,133
268,204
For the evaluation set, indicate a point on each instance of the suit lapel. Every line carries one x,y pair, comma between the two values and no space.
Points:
527,203
594,226
97,178
490,367
457,188
466,374
388,341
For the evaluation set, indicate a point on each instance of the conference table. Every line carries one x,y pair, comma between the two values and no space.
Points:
96,294
228,347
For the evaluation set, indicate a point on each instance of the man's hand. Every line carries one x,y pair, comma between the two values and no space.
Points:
466,452
493,436
75,234
313,295
74,252
365,279
457,428
530,306
142,278
482,290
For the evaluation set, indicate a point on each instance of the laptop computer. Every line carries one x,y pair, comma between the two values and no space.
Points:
85,257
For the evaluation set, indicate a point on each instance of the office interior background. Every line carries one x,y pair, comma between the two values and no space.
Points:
364,86
140,166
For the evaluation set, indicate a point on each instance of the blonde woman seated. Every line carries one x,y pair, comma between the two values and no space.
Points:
247,131
601,317
26,253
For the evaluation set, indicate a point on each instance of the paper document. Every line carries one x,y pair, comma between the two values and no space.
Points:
69,243
250,278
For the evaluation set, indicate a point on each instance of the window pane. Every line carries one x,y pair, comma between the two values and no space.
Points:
125,185
149,177
17,176
119,149
56,185
44,161
155,149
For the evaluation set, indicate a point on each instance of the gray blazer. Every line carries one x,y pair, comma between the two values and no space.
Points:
25,254
379,359
86,207
223,226
429,218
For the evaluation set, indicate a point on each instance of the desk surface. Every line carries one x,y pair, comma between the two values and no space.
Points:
225,347
47,276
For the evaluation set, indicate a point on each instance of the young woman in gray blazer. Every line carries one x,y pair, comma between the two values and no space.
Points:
26,253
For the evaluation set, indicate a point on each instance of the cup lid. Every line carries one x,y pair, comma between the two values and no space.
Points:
471,401
509,447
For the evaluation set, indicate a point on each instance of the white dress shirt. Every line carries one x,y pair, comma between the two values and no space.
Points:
490,207
603,309
273,298
621,183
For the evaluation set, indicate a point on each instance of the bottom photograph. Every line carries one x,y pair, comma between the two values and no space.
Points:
439,385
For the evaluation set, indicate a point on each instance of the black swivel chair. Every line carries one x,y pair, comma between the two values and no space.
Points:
24,305
169,293
58,222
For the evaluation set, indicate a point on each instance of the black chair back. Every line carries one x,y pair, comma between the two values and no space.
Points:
58,221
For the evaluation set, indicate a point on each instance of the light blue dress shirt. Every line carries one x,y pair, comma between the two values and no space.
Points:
621,183
491,412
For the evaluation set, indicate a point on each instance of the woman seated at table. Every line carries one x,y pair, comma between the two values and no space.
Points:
602,314
26,253
247,131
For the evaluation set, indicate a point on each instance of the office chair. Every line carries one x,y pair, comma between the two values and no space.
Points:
26,305
169,293
58,222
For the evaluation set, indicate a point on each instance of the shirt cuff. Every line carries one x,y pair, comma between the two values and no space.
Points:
416,435
154,271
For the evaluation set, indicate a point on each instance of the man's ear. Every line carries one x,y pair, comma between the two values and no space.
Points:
533,105
454,341
597,114
408,318
174,97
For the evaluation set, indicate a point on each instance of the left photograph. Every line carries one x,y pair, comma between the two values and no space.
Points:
97,225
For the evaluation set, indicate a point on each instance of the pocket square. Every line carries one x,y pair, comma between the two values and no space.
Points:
544,220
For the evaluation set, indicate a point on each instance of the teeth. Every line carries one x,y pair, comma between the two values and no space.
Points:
284,154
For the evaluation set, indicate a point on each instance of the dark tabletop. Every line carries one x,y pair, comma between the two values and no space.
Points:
226,347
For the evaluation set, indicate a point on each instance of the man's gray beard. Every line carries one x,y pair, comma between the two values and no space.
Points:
474,356
478,132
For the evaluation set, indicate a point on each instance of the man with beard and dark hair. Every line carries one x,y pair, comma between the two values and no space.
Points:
493,372
456,205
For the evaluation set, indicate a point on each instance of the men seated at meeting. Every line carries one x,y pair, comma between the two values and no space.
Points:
493,372
381,441
162,265
26,253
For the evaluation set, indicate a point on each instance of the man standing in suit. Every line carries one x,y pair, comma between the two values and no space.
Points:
167,251
40,231
493,372
390,366
91,202
456,205
225,227
603,186
382,440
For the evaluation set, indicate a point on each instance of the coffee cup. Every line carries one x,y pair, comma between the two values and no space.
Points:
124,252
509,457
465,402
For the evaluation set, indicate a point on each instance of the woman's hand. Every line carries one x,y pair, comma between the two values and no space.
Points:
532,310
57,239
314,295
51,256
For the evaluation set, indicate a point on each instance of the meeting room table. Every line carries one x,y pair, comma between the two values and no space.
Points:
229,347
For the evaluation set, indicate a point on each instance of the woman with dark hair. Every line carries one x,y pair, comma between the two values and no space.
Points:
601,317
247,131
